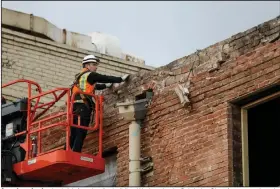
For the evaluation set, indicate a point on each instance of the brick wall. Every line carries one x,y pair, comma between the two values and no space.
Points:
194,145
236,154
49,63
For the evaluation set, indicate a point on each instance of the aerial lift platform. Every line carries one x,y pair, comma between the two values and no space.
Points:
23,162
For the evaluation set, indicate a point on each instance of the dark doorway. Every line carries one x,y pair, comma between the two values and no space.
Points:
264,144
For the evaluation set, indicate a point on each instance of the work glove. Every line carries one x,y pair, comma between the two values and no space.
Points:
125,77
109,85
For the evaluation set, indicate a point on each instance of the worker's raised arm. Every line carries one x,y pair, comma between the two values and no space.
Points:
100,86
99,78
103,86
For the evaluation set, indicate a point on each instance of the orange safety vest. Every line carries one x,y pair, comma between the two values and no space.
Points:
81,84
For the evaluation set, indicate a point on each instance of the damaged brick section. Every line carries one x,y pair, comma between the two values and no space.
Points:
192,146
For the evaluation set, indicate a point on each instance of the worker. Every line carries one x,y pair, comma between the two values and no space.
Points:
84,105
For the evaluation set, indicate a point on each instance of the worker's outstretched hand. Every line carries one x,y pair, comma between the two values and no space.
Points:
109,85
125,77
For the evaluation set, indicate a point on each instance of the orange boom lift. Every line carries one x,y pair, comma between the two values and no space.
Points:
22,161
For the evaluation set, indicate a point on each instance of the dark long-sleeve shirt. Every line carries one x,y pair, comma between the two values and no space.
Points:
94,77
100,86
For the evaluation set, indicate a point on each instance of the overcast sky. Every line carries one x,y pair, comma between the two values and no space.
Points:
159,32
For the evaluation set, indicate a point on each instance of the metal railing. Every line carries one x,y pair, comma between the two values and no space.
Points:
32,120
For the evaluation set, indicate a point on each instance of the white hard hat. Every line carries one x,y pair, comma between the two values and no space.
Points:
89,59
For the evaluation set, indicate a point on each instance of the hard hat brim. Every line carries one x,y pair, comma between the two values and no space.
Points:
91,61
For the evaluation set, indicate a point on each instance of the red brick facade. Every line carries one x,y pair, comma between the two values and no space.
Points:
198,145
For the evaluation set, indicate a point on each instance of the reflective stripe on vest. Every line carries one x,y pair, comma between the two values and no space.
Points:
79,101
83,85
83,81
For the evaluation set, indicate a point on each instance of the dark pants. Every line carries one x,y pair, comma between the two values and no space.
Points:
78,135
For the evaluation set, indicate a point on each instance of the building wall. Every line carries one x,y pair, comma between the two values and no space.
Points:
197,145
49,63
95,41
